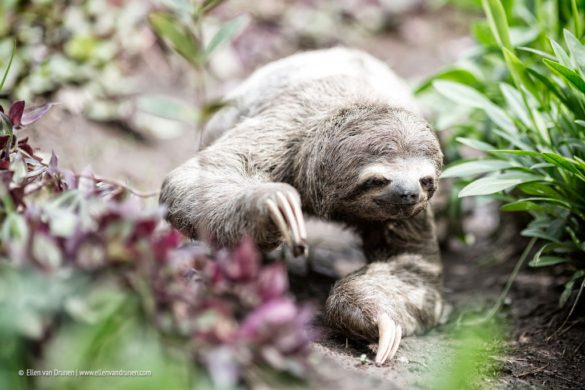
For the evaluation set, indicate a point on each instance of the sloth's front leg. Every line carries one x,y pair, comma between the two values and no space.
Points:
385,301
208,198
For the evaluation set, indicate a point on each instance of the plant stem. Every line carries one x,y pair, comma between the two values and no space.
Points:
498,305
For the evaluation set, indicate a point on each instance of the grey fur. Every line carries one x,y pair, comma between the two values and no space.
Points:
315,125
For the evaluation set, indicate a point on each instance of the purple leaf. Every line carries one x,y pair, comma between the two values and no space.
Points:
32,115
272,282
4,140
245,261
53,162
15,113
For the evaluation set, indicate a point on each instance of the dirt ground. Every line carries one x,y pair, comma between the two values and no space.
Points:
538,352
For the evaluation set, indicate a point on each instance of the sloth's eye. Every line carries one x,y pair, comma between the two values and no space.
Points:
376,182
427,182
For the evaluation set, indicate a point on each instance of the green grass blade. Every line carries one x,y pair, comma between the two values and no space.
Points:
8,66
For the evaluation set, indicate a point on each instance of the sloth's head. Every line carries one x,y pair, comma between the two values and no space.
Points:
379,163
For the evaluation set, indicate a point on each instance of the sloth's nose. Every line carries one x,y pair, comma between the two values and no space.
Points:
405,193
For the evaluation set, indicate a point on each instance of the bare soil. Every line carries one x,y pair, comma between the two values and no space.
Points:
539,352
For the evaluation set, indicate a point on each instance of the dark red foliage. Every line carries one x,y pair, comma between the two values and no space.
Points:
229,308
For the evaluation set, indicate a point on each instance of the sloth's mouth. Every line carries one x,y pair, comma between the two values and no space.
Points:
403,210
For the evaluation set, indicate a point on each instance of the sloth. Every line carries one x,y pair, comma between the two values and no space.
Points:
337,135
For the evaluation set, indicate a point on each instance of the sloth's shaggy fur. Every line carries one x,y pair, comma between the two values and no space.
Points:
318,125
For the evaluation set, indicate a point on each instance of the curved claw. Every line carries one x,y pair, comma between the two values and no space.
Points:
390,336
286,212
279,220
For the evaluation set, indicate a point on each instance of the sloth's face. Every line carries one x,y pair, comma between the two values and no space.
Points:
395,189
379,164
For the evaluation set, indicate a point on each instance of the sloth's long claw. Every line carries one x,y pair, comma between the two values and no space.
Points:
279,220
397,340
292,221
299,214
387,335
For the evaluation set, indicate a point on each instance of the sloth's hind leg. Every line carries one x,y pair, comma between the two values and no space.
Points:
384,301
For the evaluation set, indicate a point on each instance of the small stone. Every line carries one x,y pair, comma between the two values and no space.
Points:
402,359
363,358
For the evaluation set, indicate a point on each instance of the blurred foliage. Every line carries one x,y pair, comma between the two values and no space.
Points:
71,42
472,362
88,280
518,101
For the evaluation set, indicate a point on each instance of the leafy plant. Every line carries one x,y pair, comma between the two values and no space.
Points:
181,26
63,43
84,263
527,121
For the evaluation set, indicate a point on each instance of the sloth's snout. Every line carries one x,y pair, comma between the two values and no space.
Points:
404,192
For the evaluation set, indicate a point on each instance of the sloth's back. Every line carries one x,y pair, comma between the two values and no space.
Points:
288,77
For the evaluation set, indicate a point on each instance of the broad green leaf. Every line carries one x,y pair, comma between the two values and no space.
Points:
522,205
225,34
476,144
516,103
472,168
459,75
515,206
177,36
566,73
496,16
539,189
496,183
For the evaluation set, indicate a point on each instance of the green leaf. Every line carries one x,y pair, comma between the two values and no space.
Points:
470,97
540,53
521,205
518,71
566,73
546,261
496,183
496,16
539,189
475,144
560,53
177,36
517,206
472,168
225,34
462,76
516,103
576,49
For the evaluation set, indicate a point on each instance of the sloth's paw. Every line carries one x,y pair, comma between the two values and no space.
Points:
281,203
369,322
379,303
